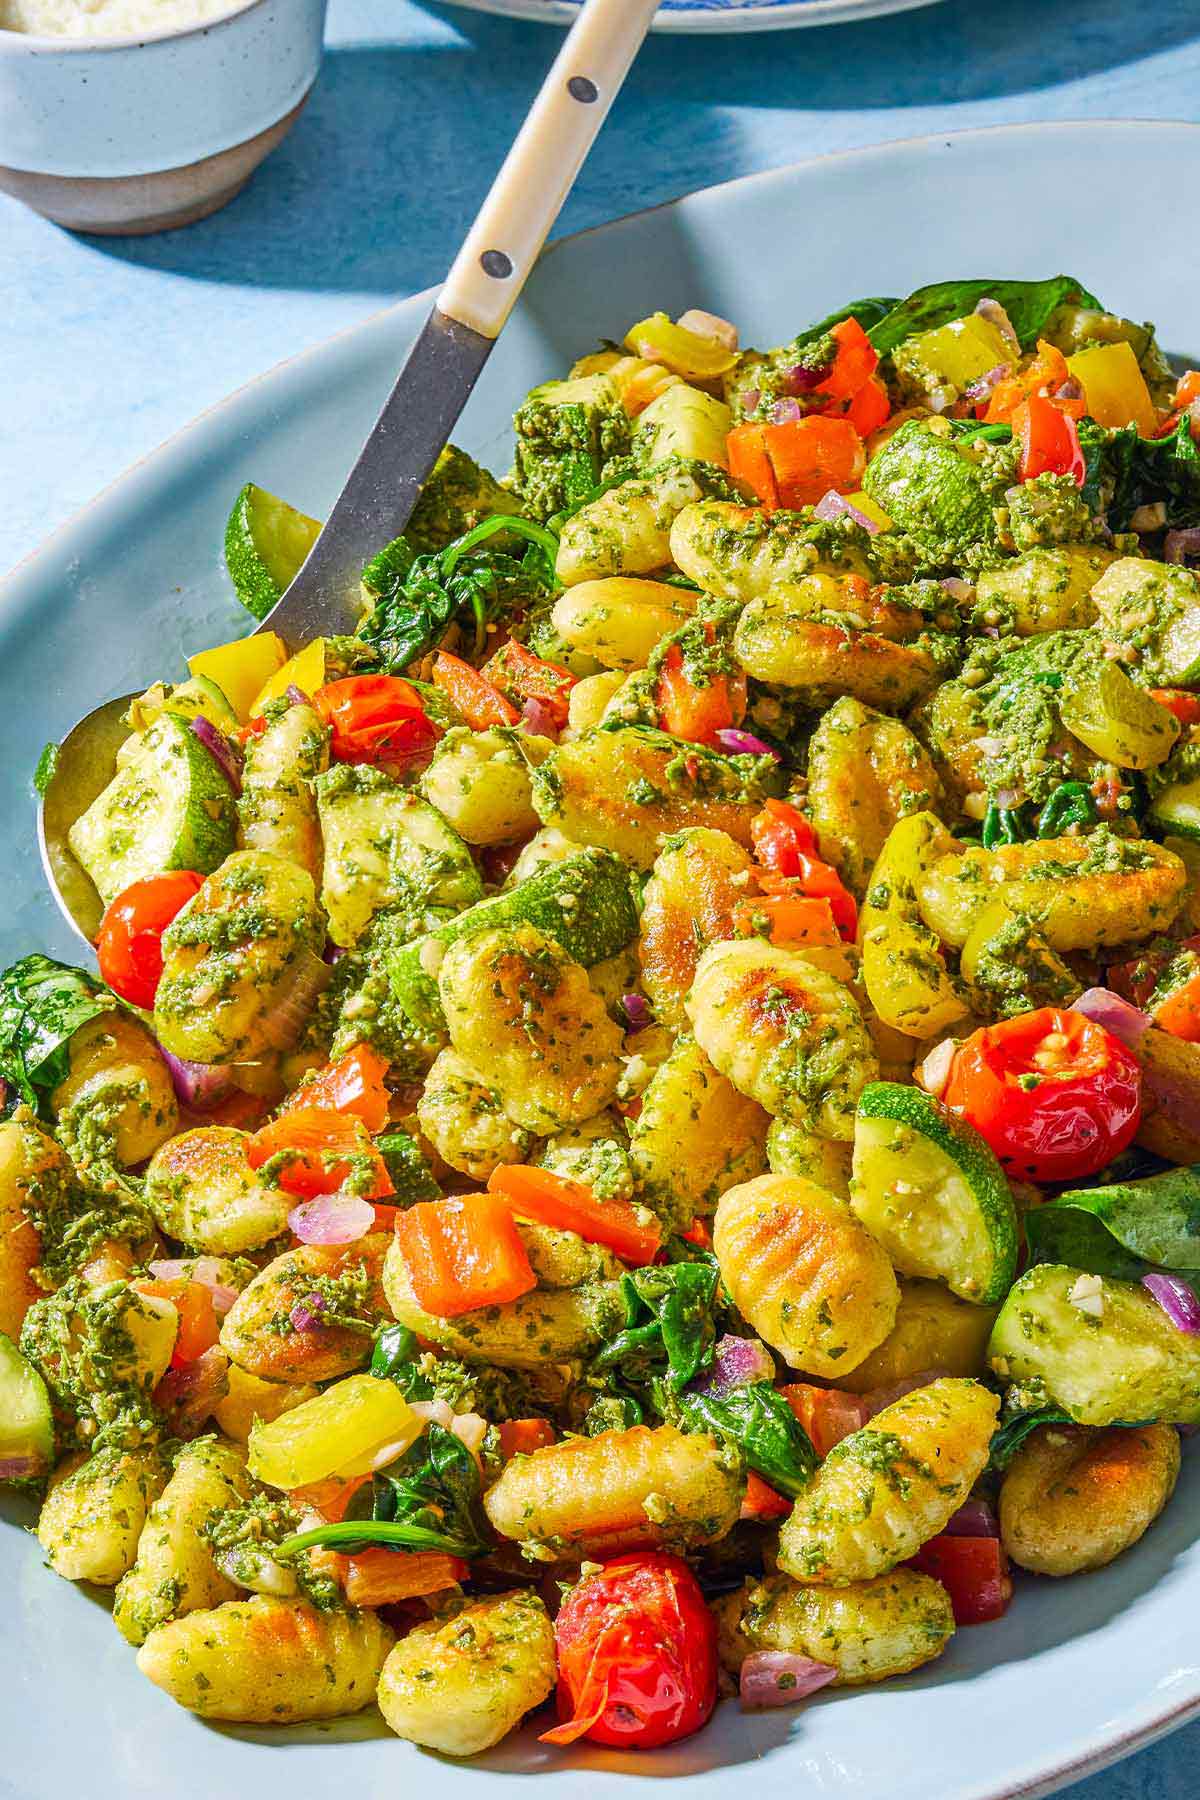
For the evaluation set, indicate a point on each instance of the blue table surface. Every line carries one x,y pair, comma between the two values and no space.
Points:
109,344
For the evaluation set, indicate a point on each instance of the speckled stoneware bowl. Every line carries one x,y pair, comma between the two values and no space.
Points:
137,134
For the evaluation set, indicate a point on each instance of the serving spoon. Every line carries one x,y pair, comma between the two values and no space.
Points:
418,416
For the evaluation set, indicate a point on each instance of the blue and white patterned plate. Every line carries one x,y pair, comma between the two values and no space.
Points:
712,15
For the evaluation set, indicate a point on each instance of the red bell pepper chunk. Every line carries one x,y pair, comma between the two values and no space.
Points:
973,1571
1049,440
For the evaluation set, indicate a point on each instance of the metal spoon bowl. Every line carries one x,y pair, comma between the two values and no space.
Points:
420,412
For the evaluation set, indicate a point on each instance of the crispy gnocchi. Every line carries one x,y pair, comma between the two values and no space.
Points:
530,1203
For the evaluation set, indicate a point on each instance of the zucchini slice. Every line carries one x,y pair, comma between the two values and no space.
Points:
1105,1351
169,806
266,540
1177,810
26,1422
384,844
585,904
928,1187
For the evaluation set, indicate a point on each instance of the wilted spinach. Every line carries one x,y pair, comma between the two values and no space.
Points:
759,1421
418,598
43,1004
1028,304
428,1499
669,1329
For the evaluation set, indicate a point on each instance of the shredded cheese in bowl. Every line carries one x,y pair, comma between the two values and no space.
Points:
109,18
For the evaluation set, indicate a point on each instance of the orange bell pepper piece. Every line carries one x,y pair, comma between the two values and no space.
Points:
471,693
812,455
462,1254
827,1414
550,1199
354,1084
762,1501
320,1146
749,463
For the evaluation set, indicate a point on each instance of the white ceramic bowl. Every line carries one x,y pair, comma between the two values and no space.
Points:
129,135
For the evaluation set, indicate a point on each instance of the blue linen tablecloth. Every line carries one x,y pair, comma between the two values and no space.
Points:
108,345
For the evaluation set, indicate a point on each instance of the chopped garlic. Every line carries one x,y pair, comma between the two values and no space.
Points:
1088,1296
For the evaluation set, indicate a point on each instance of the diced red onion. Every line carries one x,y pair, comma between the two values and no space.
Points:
877,1398
220,749
709,325
197,1085
1008,797
20,1468
470,1429
836,506
774,1678
190,1394
204,1270
799,380
434,1412
750,399
1177,1299
995,314
737,1363
332,953
1105,1008
744,743
960,591
310,976
1182,546
786,412
306,1314
295,694
539,718
637,1011
332,1219
975,1518
981,387
1071,389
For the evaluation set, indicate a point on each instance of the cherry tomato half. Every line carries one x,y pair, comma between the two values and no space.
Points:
375,719
129,942
1055,1094
973,1571
637,1655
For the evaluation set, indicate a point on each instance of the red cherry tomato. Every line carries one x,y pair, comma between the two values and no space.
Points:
781,835
129,942
1056,1095
375,719
637,1655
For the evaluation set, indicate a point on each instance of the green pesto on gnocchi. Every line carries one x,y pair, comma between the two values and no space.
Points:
530,1208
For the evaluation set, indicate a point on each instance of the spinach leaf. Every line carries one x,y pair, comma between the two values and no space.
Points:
419,598
1123,1230
1124,471
394,1359
760,1422
869,314
428,1499
669,1329
1028,304
1009,1436
43,1004
407,1169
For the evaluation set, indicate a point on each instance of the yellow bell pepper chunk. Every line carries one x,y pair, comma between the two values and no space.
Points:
961,351
240,669
305,670
1114,388
906,981
684,352
340,1432
863,503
